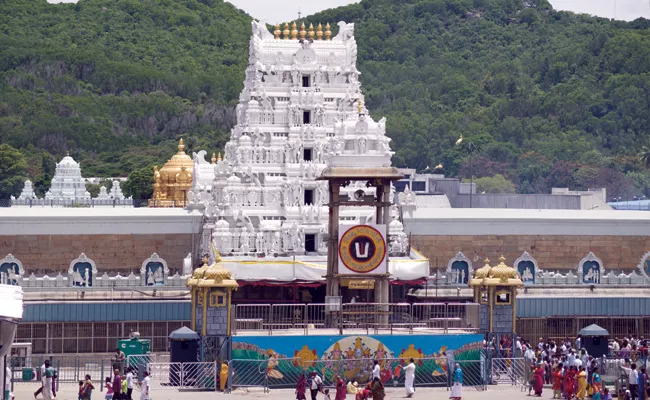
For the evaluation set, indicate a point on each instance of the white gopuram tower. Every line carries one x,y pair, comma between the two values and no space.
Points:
67,183
263,203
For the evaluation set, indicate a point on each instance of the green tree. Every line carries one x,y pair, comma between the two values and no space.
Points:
493,184
93,189
139,185
13,171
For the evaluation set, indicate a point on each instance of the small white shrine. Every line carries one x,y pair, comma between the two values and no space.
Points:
67,183
28,191
301,110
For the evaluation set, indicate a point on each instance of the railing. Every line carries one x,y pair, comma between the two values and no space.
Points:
367,317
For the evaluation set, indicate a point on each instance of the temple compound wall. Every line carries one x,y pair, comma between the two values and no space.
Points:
46,240
552,252
549,239
46,254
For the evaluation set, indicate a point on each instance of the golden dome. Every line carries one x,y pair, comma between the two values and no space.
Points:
215,275
178,160
503,272
483,271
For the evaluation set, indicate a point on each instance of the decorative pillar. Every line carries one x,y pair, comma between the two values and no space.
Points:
211,289
495,289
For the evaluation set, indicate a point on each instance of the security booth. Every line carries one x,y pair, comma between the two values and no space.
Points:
594,340
184,347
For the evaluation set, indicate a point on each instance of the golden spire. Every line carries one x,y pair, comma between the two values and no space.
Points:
310,34
219,157
181,147
294,31
319,32
328,32
360,106
277,31
214,158
302,32
286,31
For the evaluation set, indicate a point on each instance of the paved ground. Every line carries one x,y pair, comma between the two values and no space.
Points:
69,392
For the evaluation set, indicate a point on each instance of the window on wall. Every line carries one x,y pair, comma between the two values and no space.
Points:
306,117
306,82
306,154
309,197
310,242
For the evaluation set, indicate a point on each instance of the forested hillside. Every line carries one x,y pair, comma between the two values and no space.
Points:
547,98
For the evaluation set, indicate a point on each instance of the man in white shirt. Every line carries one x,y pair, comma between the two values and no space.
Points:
376,370
129,383
409,378
315,385
144,387
633,379
40,389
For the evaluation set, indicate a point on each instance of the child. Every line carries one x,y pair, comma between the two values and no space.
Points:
124,387
109,388
81,390
327,394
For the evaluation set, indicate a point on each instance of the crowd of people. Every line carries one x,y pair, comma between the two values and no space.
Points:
119,387
575,374
374,389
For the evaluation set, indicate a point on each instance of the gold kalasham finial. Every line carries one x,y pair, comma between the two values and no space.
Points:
360,106
219,157
181,146
214,158
310,34
205,260
302,32
487,261
277,31
502,259
286,31
328,32
319,32
294,31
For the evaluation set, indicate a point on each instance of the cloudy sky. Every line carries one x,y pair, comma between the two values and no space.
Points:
284,10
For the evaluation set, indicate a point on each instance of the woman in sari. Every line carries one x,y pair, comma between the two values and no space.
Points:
377,392
538,380
582,384
557,383
341,389
569,380
595,382
301,387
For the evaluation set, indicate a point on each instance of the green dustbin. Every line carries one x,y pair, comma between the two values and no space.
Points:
28,374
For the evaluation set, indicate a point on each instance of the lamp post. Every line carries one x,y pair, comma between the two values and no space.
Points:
470,149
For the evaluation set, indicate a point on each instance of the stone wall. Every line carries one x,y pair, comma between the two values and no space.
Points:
552,252
502,318
51,254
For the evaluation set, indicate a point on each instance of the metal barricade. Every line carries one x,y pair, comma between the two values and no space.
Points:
315,318
252,317
287,317
433,315
190,375
508,371
248,373
475,373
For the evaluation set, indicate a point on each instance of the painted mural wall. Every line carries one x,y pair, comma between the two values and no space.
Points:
285,357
